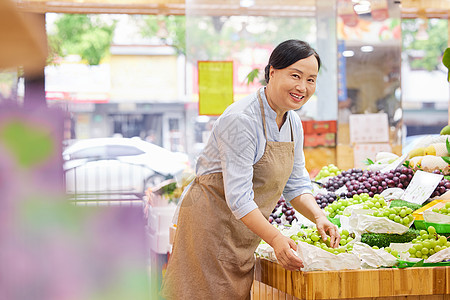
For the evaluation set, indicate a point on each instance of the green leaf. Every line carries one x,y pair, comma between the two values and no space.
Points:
28,144
446,62
446,159
406,163
368,162
402,265
418,264
447,144
252,76
447,177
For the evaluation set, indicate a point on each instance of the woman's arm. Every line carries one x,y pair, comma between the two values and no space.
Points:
307,206
281,245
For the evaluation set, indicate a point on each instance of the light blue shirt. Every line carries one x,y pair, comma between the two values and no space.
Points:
237,142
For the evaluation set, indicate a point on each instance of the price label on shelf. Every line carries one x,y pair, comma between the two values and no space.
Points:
421,187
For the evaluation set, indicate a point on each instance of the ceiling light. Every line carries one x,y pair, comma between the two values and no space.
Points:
348,53
246,3
363,7
366,48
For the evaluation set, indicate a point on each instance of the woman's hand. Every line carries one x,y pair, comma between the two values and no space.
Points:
324,227
282,247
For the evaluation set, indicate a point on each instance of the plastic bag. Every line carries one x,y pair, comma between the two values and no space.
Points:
364,223
439,256
373,258
317,259
430,216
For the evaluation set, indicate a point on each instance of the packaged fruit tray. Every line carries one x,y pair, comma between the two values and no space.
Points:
440,228
406,264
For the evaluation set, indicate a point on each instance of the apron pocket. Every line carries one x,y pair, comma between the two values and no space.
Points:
238,244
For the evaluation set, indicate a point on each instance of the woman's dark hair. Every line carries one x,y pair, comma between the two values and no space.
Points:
288,53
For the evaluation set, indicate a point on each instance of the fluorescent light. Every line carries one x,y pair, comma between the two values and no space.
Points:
363,7
348,53
246,3
366,48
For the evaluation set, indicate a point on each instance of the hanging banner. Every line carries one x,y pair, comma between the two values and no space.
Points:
347,13
379,10
215,86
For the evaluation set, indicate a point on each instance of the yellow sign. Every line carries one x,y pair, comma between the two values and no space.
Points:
215,86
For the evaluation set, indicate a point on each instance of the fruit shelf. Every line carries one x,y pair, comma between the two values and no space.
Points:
274,282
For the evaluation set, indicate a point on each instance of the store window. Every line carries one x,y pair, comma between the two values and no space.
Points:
424,77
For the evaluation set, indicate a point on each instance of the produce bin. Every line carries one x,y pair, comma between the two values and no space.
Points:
274,282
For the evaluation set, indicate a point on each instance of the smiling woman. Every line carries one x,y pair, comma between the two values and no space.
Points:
254,155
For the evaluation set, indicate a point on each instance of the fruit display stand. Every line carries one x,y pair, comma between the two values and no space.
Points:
274,282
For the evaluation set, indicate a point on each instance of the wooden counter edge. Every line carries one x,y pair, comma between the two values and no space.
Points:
343,284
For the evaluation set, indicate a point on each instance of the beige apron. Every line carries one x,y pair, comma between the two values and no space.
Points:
213,252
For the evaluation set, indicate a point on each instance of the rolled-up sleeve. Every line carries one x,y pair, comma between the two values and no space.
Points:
299,182
236,138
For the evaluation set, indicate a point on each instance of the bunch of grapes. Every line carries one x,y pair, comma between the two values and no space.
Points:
312,237
402,215
326,171
428,243
324,199
286,209
358,181
376,202
445,210
338,207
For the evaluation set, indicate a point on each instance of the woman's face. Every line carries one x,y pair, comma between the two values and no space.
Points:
292,86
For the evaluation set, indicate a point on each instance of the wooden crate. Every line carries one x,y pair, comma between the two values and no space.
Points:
274,282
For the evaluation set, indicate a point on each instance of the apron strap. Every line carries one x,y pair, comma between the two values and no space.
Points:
292,134
264,117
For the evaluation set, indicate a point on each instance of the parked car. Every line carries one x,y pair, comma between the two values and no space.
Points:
118,166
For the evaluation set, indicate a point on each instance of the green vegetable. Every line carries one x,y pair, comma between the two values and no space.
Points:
400,203
385,239
168,189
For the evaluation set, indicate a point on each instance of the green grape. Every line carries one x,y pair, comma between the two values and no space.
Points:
424,250
442,240
433,243
394,253
314,237
396,214
427,244
405,221
387,249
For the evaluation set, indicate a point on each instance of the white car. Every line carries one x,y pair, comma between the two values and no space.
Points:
118,166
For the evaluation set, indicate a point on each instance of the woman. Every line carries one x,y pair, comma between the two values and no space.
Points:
254,154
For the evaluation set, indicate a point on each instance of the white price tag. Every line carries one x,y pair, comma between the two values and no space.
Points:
421,187
395,164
